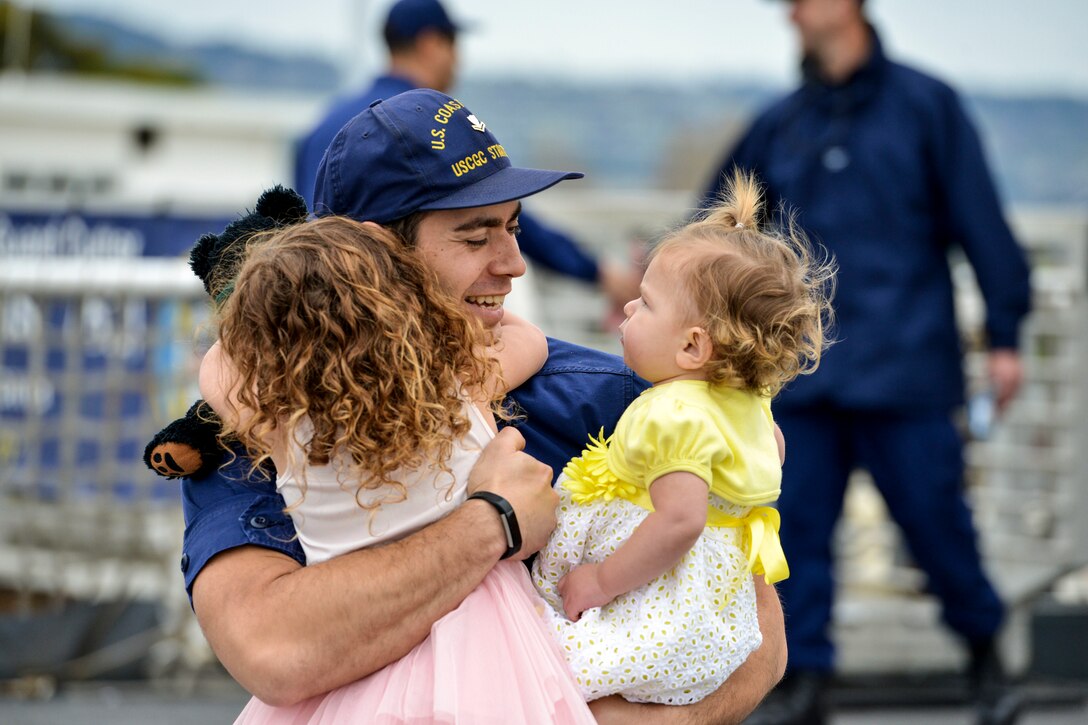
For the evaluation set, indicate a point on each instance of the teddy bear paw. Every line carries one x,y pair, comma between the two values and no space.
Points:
175,460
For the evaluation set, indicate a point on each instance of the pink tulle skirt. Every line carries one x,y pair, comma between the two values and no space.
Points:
491,660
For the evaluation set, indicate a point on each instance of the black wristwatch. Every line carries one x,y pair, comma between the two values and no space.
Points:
507,517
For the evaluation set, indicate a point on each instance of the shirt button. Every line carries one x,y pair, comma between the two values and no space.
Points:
836,159
260,522
184,563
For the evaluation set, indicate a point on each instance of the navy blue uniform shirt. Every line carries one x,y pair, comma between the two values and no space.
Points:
576,393
888,173
541,243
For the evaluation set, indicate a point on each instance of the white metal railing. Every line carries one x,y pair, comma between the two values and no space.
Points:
95,357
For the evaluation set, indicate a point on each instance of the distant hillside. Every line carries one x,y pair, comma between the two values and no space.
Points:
635,134
622,135
1038,146
673,136
212,63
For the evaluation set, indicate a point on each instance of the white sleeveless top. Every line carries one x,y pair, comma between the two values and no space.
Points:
330,522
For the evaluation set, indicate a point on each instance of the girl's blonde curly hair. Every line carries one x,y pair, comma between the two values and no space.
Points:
337,325
761,293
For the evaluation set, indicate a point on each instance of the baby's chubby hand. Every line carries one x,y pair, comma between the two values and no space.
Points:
581,590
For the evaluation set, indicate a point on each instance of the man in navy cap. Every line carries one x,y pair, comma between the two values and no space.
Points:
882,166
422,43
423,166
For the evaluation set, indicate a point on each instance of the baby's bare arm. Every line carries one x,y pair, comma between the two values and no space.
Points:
663,537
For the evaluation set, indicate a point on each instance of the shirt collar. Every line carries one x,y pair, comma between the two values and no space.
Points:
859,87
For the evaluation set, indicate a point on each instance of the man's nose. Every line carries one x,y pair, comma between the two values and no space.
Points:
508,261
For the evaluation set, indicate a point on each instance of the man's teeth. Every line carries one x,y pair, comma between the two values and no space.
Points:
488,300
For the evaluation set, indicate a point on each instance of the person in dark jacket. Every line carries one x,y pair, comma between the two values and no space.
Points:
422,42
881,165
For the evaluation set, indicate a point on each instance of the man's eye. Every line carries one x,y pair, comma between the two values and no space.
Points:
515,230
476,242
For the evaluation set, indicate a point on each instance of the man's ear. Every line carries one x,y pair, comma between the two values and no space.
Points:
697,350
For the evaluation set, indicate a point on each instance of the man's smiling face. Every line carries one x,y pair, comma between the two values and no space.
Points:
475,254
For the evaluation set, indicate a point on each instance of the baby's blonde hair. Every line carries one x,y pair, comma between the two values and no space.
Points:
338,323
761,293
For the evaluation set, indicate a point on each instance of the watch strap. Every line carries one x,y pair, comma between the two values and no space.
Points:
508,519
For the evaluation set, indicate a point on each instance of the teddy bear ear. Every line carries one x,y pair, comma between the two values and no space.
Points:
201,258
282,205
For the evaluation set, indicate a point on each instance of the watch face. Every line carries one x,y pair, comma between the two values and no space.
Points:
509,534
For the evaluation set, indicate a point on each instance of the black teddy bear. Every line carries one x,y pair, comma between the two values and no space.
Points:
189,446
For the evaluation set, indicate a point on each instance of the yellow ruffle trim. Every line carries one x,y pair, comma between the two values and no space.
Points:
590,479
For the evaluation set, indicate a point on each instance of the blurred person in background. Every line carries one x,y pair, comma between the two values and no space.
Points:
421,39
880,164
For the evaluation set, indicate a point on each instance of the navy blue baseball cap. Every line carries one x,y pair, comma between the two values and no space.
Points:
419,151
409,18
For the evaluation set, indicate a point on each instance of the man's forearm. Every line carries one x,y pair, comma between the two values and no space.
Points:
287,632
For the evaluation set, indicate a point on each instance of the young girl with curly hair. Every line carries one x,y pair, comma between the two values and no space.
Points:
342,362
663,525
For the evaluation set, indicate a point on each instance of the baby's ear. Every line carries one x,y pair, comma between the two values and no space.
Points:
697,350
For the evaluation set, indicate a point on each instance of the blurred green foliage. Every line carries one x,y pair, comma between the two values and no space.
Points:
50,48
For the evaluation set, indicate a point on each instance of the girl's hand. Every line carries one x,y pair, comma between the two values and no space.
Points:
522,350
581,590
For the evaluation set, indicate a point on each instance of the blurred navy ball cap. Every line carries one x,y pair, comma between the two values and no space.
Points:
409,18
419,151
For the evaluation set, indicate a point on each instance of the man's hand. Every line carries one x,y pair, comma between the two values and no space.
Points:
620,284
1006,374
581,590
505,469
614,710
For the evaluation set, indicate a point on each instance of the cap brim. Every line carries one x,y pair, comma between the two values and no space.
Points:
502,186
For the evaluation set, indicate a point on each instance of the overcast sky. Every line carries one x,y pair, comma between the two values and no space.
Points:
993,45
